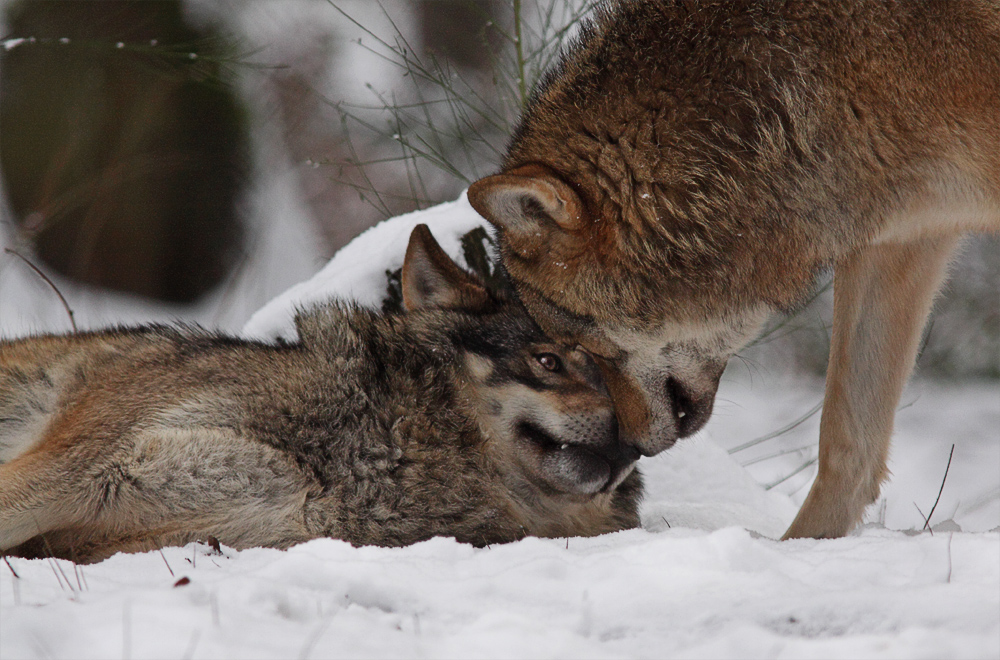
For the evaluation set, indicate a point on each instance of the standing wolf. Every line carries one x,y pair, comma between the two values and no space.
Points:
689,168
458,417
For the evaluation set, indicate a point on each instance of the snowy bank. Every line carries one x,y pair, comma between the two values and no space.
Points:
633,594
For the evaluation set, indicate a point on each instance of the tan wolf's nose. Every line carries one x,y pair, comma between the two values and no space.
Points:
690,409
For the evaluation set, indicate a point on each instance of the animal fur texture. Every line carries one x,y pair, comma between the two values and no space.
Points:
458,417
689,168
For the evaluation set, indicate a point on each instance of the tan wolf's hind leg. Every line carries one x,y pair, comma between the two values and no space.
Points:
882,296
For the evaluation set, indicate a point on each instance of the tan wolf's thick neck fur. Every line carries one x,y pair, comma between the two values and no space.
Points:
691,167
458,418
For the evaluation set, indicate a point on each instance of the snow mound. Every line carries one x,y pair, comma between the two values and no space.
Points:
358,271
677,593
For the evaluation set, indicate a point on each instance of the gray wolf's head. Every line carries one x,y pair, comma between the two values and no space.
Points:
543,406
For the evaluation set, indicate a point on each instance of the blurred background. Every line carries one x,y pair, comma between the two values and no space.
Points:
165,159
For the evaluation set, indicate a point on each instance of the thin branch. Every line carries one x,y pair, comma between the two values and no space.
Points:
927,522
785,429
792,474
925,518
189,651
950,537
787,319
768,457
166,562
45,277
52,564
521,83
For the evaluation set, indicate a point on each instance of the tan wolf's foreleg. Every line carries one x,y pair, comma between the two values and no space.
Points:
882,296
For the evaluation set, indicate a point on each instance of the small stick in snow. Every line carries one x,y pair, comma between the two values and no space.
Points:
925,518
42,275
58,579
7,561
313,638
165,559
215,609
665,520
927,522
189,652
950,537
126,630
55,564
63,573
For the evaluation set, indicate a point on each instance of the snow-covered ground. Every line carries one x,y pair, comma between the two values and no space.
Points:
693,582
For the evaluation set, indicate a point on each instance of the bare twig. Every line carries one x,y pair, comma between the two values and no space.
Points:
925,518
458,123
791,474
58,579
785,429
189,651
51,556
45,277
214,602
950,537
522,87
778,454
166,562
7,561
927,522
127,630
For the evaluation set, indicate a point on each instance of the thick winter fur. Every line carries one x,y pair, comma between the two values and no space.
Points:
458,417
690,167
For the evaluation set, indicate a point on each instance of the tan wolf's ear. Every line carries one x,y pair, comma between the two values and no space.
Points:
523,201
431,279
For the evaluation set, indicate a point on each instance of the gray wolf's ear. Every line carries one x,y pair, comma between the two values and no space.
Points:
526,201
431,279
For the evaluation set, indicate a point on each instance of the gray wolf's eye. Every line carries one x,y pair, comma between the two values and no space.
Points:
549,361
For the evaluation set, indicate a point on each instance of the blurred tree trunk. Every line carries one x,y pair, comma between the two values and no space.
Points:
124,163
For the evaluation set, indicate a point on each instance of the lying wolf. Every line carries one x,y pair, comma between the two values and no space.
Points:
690,167
458,417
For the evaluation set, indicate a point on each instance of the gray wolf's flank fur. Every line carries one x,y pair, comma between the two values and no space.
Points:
458,417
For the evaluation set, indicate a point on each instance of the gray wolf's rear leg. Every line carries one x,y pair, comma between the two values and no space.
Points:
164,485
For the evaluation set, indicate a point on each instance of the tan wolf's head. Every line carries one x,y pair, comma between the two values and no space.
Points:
543,406
660,342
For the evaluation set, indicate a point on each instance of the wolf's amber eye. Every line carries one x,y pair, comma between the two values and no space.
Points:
549,361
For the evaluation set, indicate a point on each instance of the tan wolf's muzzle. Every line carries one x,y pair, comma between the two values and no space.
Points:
655,413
